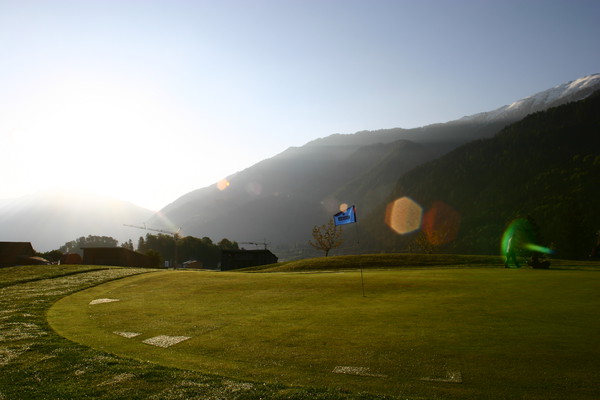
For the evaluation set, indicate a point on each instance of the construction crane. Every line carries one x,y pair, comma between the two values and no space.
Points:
175,236
257,243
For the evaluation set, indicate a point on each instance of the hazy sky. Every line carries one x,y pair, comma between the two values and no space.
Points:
147,100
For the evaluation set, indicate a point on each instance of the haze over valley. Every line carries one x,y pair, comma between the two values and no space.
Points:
281,198
257,121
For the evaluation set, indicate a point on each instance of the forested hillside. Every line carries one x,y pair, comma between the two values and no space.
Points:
546,166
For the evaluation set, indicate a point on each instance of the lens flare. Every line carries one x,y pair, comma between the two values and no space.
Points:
254,188
170,226
403,215
222,184
523,231
441,223
539,249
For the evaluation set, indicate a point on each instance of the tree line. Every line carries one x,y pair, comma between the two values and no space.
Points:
161,247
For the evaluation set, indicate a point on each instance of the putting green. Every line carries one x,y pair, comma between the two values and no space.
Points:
432,332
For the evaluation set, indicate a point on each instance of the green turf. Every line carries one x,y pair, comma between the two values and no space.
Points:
403,260
36,363
418,333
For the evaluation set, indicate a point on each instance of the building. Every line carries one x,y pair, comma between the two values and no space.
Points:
16,253
116,256
71,258
234,259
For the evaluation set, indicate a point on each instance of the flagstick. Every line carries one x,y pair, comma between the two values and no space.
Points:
349,217
362,280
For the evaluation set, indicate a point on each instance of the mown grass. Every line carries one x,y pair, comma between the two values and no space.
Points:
379,261
37,363
404,260
505,333
16,275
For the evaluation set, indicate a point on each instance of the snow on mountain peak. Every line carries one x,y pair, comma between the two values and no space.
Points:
560,94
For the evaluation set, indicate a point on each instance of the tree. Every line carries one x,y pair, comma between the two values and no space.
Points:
128,245
52,256
155,257
75,246
185,248
161,243
141,247
327,237
226,244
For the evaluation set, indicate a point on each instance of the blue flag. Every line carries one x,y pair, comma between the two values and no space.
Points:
345,217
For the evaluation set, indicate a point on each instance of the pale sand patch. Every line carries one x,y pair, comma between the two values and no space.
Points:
451,377
127,335
237,386
100,301
117,379
165,341
7,355
358,371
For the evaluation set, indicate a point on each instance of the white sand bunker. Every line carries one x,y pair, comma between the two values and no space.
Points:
451,377
127,335
165,341
100,301
358,371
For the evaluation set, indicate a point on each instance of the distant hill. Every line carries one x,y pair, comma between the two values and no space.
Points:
52,218
546,166
280,199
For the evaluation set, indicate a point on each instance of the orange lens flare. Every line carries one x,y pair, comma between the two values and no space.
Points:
441,223
403,215
222,184
254,188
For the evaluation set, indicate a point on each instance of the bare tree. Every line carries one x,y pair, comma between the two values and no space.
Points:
326,237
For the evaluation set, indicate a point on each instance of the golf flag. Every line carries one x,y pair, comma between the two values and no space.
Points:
345,217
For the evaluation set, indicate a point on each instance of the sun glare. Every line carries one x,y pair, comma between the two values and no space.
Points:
101,136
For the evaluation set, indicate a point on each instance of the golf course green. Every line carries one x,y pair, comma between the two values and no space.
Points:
419,333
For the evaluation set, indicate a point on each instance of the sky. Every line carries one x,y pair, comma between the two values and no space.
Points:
145,101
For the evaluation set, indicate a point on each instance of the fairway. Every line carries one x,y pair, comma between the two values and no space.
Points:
449,333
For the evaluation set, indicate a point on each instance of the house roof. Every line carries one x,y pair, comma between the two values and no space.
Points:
10,252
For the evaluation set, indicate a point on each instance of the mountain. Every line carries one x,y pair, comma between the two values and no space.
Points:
280,199
50,219
561,94
545,167
477,126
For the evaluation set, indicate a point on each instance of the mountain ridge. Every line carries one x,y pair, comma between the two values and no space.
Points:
281,198
545,167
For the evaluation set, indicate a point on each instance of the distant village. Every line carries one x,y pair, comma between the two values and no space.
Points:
22,253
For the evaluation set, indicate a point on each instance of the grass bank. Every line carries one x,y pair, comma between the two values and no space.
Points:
421,331
404,260
37,363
